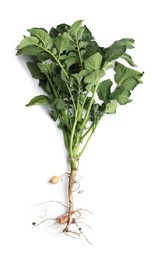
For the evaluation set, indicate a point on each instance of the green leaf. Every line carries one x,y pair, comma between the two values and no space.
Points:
63,44
54,51
63,57
68,36
53,32
130,83
43,56
115,52
91,49
78,78
111,107
87,35
123,100
63,77
70,61
41,34
123,73
128,42
84,73
61,28
59,104
80,33
83,45
125,92
125,41
75,27
93,62
46,68
49,45
104,90
57,43
39,100
128,58
27,41
94,77
121,95
66,45
30,50
46,87
54,115
42,82
107,65
120,70
34,70
130,73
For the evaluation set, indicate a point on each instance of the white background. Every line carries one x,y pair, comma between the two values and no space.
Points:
122,167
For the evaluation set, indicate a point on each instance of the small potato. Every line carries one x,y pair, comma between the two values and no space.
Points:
55,179
63,220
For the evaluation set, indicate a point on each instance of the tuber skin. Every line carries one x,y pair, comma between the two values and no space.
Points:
55,180
63,220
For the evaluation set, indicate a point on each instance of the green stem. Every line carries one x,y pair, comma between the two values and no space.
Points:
93,128
52,87
66,139
69,117
58,61
78,50
71,97
86,95
71,138
86,133
64,71
58,96
73,164
55,58
89,108
82,151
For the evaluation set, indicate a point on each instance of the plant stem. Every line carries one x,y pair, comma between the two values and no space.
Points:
57,96
71,138
89,107
55,58
86,133
79,54
70,198
93,128
66,139
82,151
64,71
52,87
71,97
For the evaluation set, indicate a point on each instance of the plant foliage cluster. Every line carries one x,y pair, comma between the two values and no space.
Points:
70,66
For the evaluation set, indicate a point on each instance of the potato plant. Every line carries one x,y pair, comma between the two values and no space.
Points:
70,66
